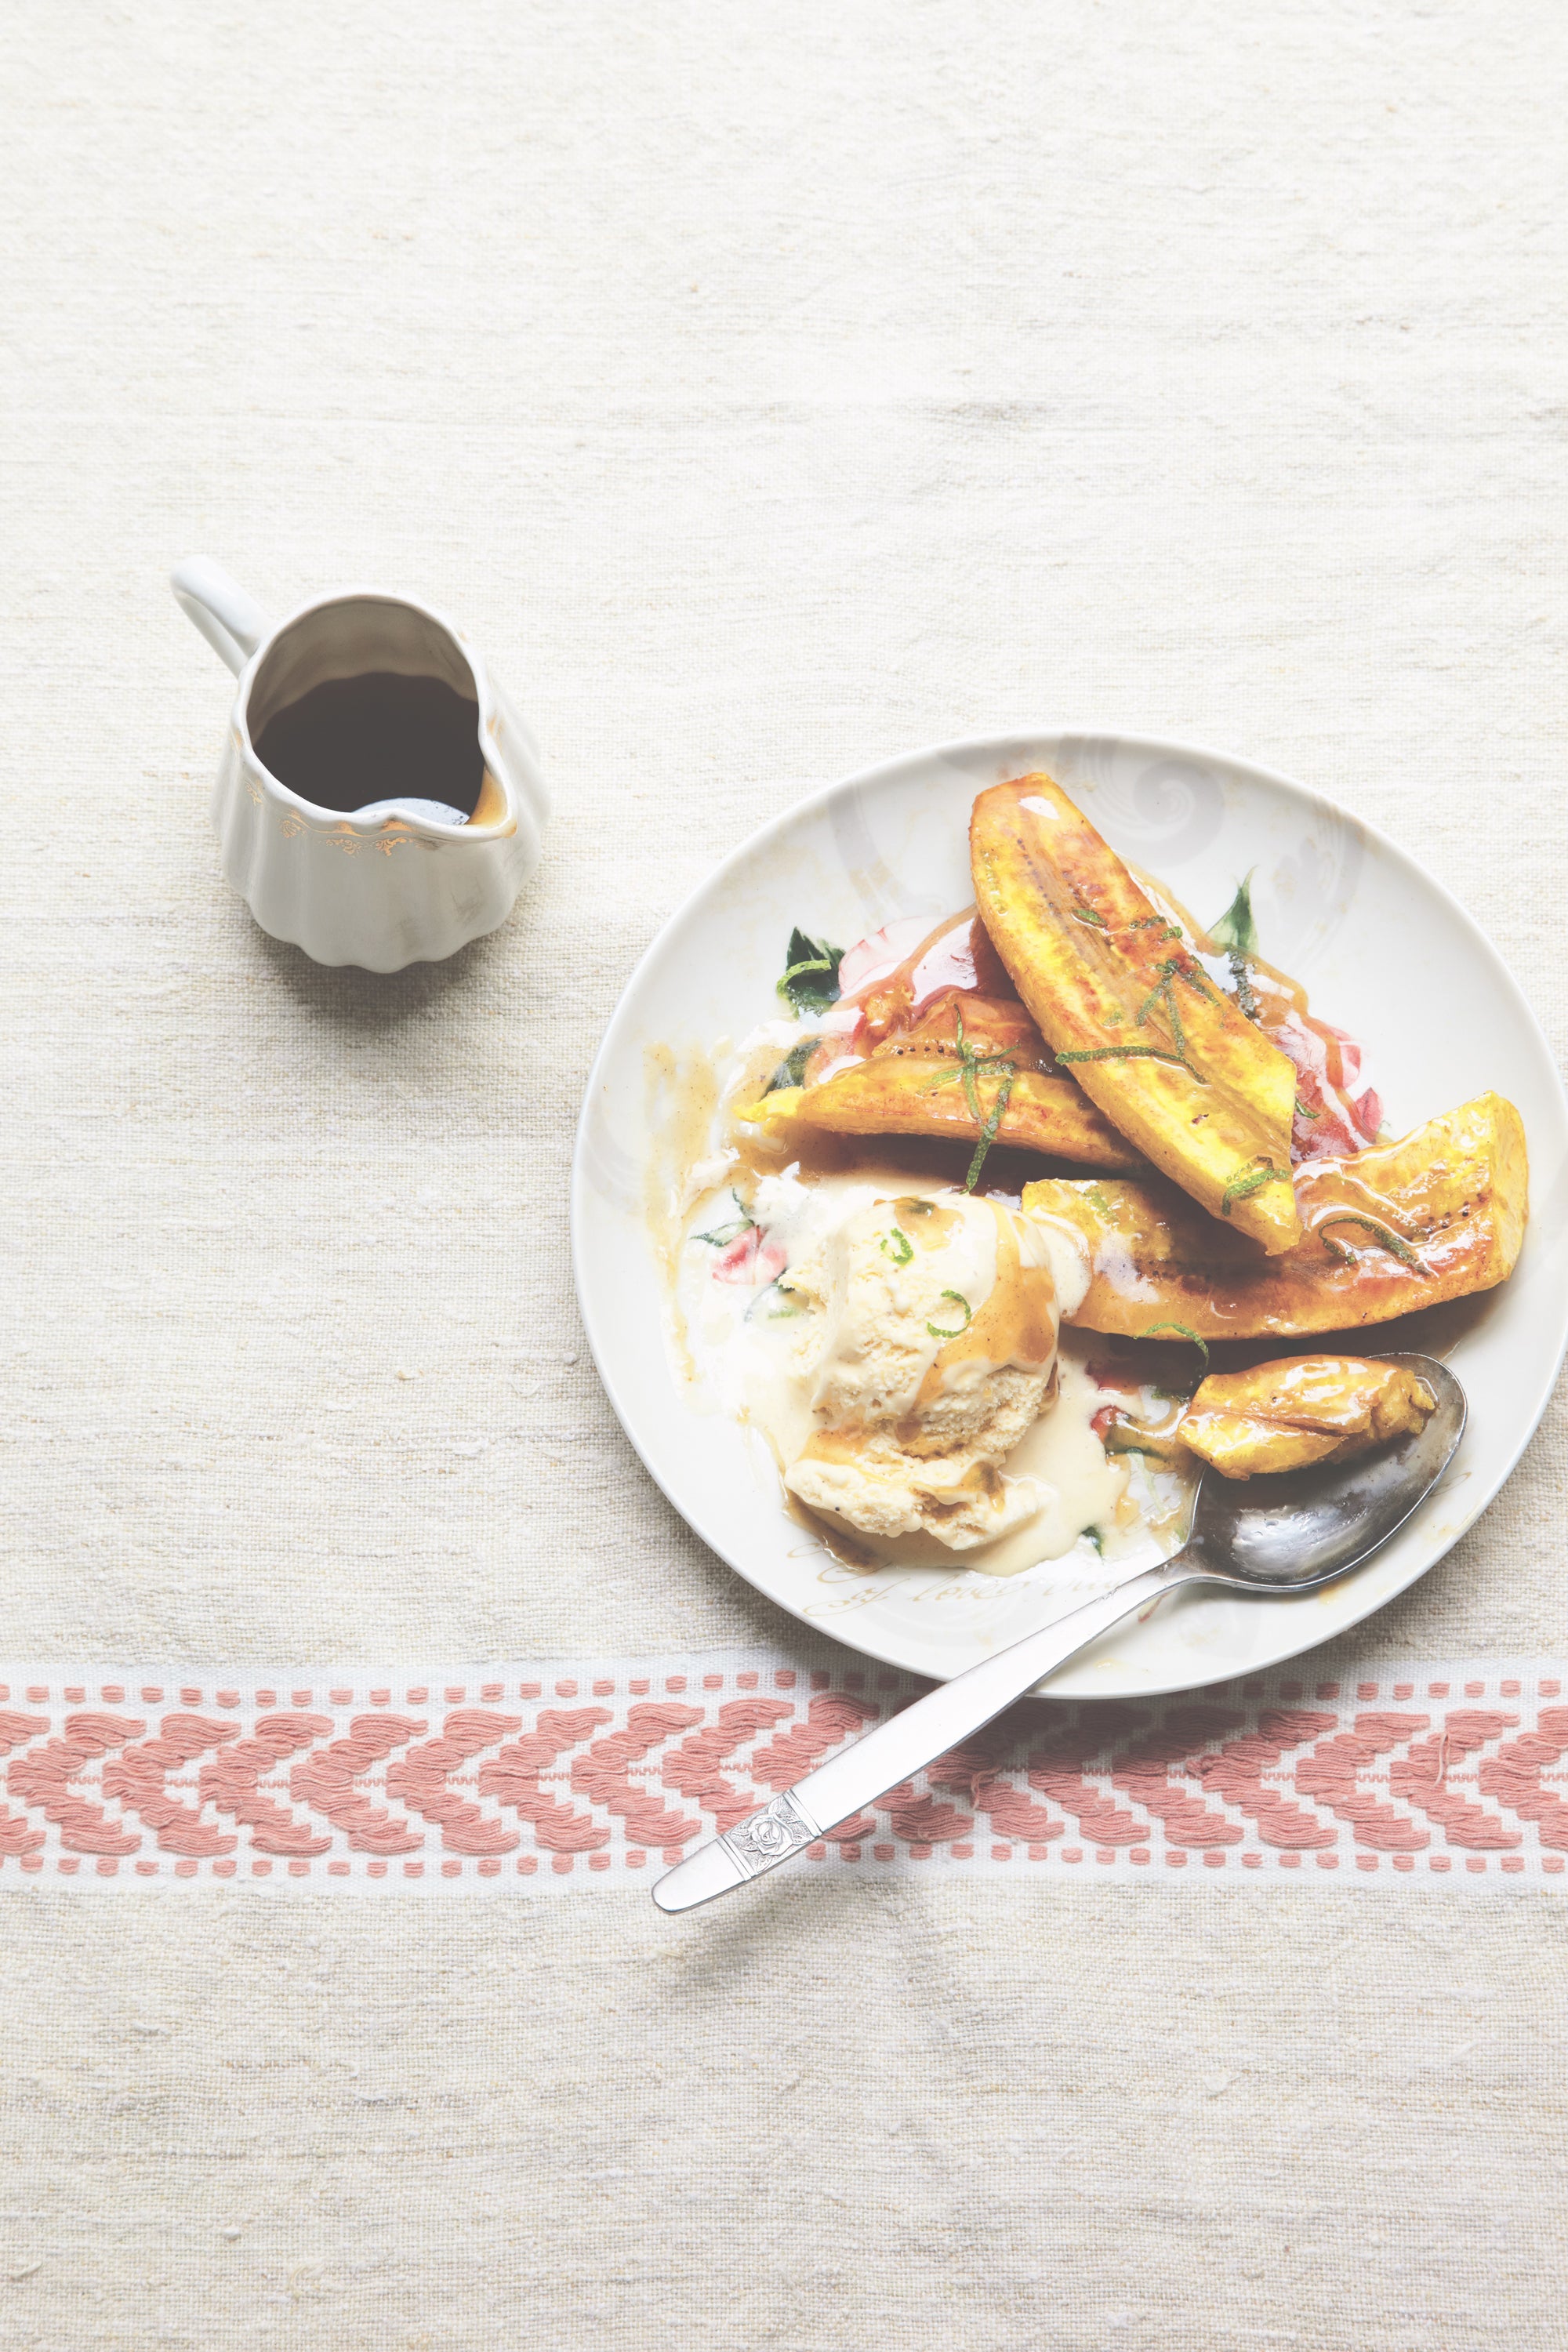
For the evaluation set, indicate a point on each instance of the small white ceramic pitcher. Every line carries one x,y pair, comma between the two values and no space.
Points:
394,884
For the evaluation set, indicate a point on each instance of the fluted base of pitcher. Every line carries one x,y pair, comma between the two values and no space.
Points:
380,899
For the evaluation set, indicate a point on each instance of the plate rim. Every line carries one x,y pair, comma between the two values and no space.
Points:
955,749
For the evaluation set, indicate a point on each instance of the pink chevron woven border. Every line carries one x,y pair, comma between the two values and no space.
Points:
467,1779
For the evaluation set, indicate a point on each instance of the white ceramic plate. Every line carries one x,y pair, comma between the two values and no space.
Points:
1383,950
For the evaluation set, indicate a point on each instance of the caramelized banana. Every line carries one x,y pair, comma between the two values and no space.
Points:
1168,1057
1283,1416
1435,1216
905,1093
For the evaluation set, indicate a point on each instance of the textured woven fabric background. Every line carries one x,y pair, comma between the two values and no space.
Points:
769,390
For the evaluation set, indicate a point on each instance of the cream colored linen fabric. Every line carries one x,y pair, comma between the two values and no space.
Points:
769,390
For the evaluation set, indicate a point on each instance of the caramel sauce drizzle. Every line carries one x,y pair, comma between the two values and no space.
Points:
1015,1325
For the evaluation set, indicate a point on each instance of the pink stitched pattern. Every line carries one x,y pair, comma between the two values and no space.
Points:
453,1779
232,1783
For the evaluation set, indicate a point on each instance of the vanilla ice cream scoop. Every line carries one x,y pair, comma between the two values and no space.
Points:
928,1349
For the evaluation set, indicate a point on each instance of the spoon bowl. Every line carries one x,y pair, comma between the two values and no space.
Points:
1280,1534
1298,1528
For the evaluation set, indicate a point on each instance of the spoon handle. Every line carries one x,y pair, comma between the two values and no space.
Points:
900,1747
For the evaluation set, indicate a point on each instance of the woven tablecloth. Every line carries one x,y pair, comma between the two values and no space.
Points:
768,391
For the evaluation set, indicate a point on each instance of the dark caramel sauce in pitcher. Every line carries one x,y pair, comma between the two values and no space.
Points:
352,742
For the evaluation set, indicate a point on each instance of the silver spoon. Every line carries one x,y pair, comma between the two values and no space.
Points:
1285,1534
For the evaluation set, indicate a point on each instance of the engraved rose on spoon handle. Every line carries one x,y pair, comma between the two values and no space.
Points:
780,1830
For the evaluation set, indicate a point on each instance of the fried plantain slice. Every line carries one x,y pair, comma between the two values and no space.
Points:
1165,1054
905,1093
1304,1409
1434,1216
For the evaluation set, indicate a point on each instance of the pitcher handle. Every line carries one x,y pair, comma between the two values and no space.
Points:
232,623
